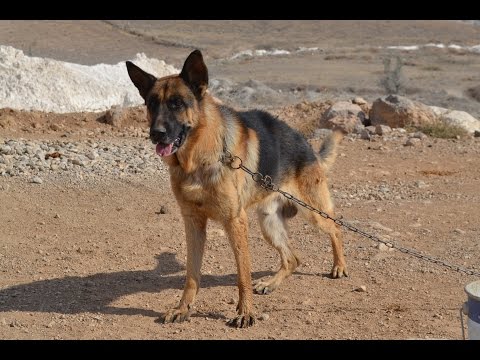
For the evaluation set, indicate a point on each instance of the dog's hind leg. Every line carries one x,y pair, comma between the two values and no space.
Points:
272,216
313,190
195,229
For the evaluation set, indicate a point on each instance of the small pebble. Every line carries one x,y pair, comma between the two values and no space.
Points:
361,288
36,180
264,317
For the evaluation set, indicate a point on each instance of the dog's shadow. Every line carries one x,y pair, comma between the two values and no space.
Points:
95,293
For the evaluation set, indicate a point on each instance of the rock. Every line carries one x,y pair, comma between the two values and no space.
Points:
361,288
476,133
419,135
231,301
398,111
114,116
92,155
55,127
438,111
264,317
420,184
412,142
346,124
5,149
358,129
359,100
365,135
216,232
343,116
382,247
459,231
382,129
163,210
461,119
50,324
36,180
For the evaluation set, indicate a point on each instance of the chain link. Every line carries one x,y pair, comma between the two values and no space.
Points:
267,183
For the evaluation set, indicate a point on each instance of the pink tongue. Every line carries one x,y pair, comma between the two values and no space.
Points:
164,150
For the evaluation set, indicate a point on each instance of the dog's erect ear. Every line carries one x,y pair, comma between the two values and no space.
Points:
195,73
142,80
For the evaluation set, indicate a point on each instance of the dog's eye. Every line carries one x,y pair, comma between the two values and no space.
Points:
152,103
175,103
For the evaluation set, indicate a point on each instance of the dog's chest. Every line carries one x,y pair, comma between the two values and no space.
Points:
199,186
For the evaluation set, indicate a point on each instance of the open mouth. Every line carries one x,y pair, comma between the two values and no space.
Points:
171,148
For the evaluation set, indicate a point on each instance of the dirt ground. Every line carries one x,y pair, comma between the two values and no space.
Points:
95,258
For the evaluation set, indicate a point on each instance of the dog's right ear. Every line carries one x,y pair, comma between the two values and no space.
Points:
141,79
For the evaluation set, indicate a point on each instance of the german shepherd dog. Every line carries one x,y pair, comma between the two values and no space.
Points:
192,130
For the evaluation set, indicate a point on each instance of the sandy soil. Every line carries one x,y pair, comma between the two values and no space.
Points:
97,259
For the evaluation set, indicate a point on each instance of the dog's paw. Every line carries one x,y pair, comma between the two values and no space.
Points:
339,271
174,315
262,287
242,321
266,285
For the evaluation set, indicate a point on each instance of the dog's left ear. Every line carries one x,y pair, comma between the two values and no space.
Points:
195,74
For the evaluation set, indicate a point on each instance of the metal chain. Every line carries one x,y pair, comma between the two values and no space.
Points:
267,183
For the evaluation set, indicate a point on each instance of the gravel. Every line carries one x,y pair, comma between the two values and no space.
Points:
36,160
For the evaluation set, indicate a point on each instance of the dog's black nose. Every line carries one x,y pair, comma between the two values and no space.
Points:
158,134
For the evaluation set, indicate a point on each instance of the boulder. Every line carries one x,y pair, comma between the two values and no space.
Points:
461,119
346,124
343,116
398,111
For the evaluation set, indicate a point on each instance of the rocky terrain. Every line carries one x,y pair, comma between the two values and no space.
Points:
92,242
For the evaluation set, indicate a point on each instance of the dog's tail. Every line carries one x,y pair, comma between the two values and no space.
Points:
328,150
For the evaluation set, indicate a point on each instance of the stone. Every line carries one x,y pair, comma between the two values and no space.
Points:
343,116
419,135
359,100
365,135
461,119
382,129
36,180
5,149
420,184
398,111
438,111
215,232
114,116
382,247
263,317
346,124
412,142
55,127
361,288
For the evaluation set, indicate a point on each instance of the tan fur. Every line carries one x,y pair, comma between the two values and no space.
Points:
205,188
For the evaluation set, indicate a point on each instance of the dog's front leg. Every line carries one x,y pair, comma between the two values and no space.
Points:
195,229
237,229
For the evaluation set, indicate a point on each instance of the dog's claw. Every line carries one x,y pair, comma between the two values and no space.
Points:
175,316
241,321
339,271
